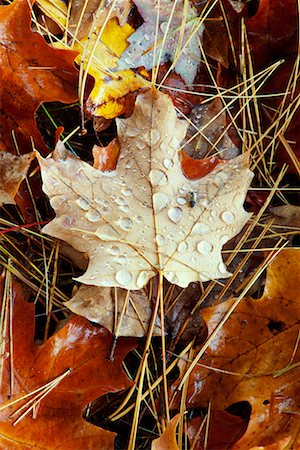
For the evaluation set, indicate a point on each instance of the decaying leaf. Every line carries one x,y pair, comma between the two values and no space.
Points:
176,38
122,312
167,441
75,360
257,359
286,215
13,170
31,73
138,220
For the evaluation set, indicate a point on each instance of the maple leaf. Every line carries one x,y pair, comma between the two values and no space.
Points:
13,170
137,220
75,361
31,73
252,354
130,311
151,46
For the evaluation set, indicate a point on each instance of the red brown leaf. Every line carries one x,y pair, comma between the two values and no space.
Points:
31,73
79,347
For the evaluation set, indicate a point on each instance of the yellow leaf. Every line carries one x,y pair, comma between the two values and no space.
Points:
110,87
56,10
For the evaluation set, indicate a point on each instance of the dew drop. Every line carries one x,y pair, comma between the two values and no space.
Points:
128,164
163,26
158,178
172,277
123,277
227,216
154,136
122,259
182,247
160,239
222,268
119,201
131,132
142,279
125,223
181,201
160,201
168,163
127,192
83,203
200,228
107,233
66,221
175,214
139,219
224,239
114,250
93,215
204,247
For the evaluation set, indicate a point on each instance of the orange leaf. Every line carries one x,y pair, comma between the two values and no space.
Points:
254,345
197,168
31,73
167,441
79,348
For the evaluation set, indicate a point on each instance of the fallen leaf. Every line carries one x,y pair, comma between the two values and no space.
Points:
87,14
55,9
167,441
255,345
286,215
272,31
139,220
13,170
77,353
205,135
176,38
224,430
31,73
108,96
122,312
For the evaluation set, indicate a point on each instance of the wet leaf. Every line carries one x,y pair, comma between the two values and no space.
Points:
143,215
108,96
75,360
32,72
255,346
13,170
176,38
91,13
122,312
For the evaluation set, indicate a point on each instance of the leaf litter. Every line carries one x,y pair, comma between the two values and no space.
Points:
254,126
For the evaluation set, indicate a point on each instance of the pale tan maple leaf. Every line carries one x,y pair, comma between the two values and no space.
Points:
137,221
13,169
122,312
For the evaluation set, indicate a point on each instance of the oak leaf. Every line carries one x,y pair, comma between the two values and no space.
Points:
122,312
175,38
75,360
252,355
137,221
13,170
31,73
